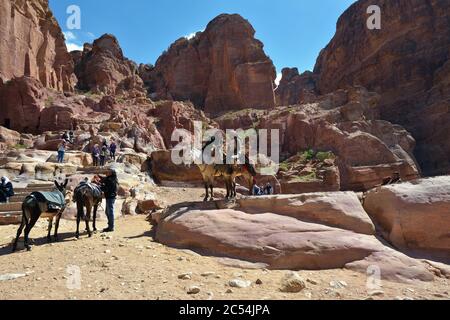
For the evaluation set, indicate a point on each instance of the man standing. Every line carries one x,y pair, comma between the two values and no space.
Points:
112,150
109,188
61,151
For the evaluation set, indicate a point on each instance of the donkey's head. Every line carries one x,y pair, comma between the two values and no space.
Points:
61,187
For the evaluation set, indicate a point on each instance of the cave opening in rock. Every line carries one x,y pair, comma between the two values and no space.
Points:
7,123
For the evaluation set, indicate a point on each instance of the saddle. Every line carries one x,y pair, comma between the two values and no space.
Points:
96,190
54,199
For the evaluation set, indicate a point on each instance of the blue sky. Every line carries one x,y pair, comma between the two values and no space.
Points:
293,31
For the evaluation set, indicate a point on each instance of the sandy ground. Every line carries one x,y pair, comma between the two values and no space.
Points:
128,264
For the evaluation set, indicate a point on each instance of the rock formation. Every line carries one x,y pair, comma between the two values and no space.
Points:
102,68
409,66
280,242
295,88
221,69
32,44
343,122
21,100
414,216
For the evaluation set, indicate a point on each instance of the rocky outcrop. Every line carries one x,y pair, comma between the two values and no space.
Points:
32,44
408,66
344,122
414,216
280,242
102,68
22,99
172,115
164,170
295,88
335,209
221,69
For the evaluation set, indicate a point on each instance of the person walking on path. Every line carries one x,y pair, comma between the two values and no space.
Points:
61,152
103,155
95,155
112,150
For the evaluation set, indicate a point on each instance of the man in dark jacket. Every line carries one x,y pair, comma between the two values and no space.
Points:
6,190
109,187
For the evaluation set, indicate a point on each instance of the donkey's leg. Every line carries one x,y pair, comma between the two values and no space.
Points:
77,234
33,220
87,218
212,191
95,218
227,185
50,225
207,192
19,231
58,218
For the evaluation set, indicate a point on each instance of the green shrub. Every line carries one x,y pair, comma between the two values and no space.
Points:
322,156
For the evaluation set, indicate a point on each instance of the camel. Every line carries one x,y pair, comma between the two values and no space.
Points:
36,206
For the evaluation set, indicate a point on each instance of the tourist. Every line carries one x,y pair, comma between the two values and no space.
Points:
109,188
268,190
6,190
95,155
103,155
61,152
66,137
112,150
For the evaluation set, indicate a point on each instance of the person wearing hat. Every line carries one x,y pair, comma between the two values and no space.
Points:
6,190
109,187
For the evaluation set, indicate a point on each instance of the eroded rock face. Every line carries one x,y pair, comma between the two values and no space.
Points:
103,68
295,88
280,242
22,100
221,69
414,215
408,66
32,44
177,115
344,122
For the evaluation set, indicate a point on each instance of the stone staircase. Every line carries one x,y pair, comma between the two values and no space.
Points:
11,213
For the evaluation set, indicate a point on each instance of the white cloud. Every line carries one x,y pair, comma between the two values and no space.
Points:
192,35
90,35
70,36
73,47
278,79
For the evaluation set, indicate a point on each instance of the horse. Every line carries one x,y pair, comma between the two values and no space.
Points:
34,207
89,196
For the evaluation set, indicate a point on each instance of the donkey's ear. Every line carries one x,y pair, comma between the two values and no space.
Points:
56,184
66,182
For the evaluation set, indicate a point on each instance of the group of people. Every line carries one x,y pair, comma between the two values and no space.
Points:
100,155
6,190
262,190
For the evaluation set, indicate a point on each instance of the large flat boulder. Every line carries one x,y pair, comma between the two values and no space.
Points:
414,215
279,242
336,209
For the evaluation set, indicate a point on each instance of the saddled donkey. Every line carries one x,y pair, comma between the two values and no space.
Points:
87,195
228,172
37,205
247,171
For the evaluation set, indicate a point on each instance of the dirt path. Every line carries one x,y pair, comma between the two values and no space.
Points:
128,264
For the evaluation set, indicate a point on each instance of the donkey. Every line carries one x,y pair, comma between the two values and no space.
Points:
246,171
90,196
229,172
34,207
